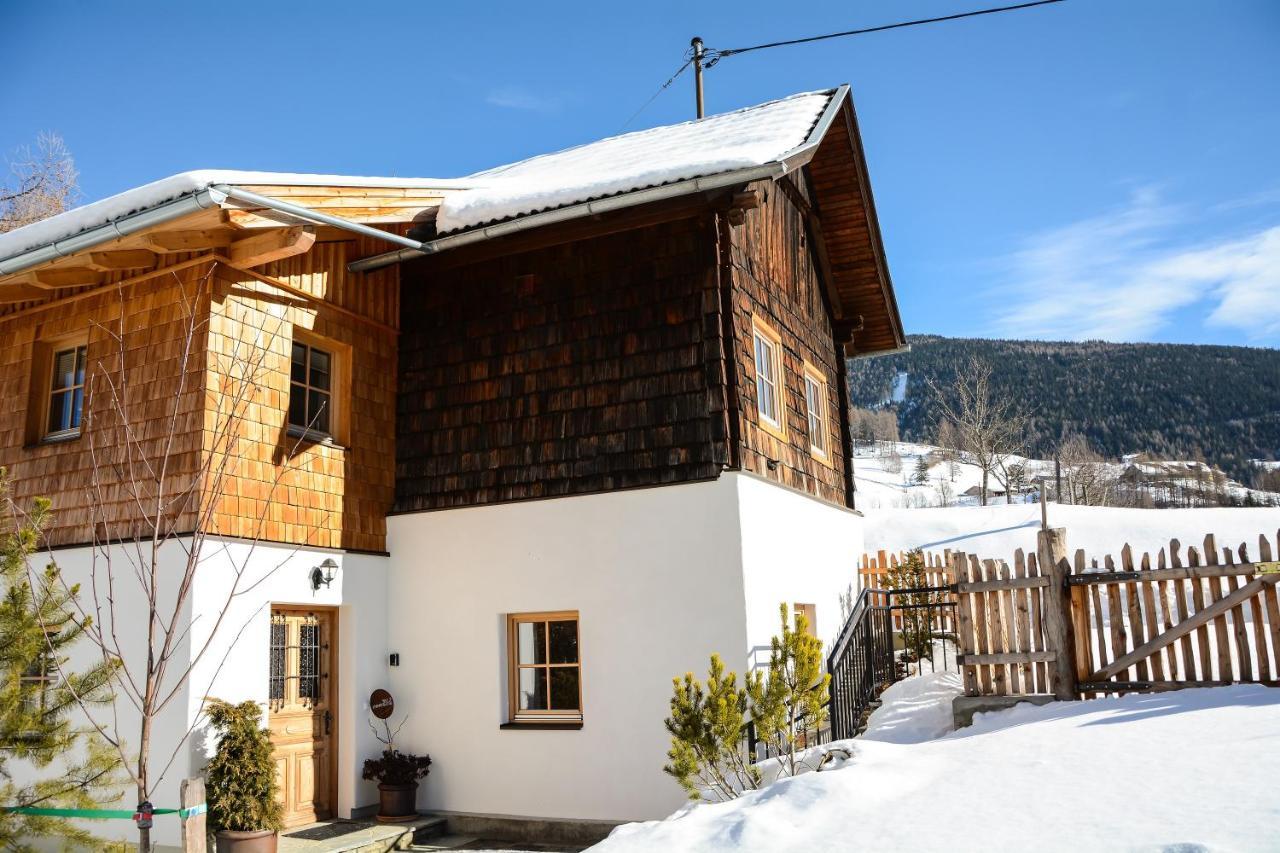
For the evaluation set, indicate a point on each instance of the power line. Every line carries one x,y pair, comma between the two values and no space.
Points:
661,89
715,55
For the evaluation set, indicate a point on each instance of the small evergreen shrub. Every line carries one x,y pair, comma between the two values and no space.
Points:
396,767
708,725
242,775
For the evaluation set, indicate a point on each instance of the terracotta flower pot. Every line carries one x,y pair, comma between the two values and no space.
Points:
256,841
397,802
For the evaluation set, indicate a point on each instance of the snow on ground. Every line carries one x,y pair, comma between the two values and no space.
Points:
1191,770
996,531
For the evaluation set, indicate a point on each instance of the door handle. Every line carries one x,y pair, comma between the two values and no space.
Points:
328,718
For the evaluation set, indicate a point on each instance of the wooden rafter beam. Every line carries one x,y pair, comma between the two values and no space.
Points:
51,279
271,246
195,240
125,259
21,293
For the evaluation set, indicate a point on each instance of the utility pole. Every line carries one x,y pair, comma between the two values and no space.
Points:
698,51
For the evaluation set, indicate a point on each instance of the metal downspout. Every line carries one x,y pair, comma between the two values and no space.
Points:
306,213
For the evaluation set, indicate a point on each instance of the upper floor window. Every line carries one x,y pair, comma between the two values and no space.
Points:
545,667
311,391
815,401
769,379
66,392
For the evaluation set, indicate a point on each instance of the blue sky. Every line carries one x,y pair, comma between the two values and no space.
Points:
1095,168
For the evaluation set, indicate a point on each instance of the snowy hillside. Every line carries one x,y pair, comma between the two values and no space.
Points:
997,530
888,476
1189,770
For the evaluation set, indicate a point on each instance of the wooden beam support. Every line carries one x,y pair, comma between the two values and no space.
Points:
52,279
125,259
272,246
22,293
190,241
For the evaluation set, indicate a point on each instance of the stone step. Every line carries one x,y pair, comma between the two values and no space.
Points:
368,837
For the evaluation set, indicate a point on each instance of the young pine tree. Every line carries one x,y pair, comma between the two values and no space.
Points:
707,727
921,475
791,698
38,693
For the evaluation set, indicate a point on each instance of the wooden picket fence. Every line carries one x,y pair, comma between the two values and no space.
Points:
876,572
1088,627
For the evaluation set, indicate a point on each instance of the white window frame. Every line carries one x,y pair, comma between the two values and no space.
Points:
769,378
816,392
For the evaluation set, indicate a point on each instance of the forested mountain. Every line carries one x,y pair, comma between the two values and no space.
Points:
1178,401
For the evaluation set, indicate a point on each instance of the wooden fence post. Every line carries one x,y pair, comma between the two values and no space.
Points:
194,833
1052,548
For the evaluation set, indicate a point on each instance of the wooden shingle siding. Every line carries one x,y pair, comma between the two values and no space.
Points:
569,369
774,278
156,315
306,492
279,489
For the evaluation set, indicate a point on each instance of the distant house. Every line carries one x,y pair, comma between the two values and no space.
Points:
565,427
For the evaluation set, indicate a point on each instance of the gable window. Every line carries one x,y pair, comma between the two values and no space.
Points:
815,401
545,678
769,380
66,392
311,391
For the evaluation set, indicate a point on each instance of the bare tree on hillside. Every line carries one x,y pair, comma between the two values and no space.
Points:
153,552
41,182
949,444
988,428
1090,480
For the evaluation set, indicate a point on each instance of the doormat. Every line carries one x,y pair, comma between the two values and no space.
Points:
326,831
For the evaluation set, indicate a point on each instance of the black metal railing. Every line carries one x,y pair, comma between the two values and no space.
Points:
865,659
807,734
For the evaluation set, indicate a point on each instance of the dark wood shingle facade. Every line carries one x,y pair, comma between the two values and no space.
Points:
598,363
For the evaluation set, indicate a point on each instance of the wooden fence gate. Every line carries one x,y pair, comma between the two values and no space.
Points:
1075,628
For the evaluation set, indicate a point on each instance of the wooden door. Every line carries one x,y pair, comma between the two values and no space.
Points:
303,712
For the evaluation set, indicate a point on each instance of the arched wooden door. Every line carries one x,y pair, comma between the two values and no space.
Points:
302,716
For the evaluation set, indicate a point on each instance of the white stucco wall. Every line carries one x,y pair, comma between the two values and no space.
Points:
235,666
798,550
654,574
661,578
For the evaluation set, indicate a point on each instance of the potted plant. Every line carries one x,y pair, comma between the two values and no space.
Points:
397,774
241,787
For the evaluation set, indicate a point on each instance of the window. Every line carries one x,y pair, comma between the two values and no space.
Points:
545,669
311,391
769,383
66,392
810,614
815,401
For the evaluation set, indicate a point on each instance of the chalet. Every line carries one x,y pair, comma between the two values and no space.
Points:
518,447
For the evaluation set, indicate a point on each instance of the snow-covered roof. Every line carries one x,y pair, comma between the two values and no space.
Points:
150,195
753,136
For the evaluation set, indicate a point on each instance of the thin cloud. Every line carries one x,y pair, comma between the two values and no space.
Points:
1123,276
517,98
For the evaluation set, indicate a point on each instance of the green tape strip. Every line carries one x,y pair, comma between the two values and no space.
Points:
102,814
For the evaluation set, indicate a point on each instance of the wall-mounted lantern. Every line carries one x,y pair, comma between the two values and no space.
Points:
323,574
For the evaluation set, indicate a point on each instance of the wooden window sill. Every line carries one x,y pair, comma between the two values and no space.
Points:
310,437
48,440
558,725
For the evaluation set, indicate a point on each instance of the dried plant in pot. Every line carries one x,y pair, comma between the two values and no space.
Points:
397,774
241,785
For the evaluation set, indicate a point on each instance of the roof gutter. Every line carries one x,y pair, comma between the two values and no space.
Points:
575,211
309,215
166,212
